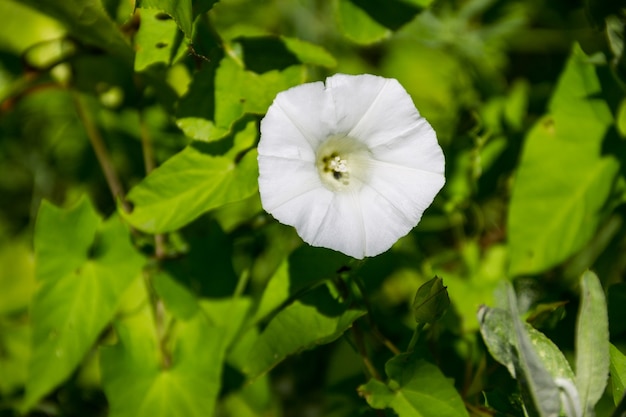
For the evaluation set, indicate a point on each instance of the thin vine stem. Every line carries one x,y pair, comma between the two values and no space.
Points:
149,162
375,331
102,154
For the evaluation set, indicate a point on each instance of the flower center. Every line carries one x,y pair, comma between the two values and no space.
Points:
342,162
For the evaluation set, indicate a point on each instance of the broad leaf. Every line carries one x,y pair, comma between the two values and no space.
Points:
184,12
15,345
87,21
305,267
309,53
190,184
564,178
140,380
156,41
357,25
313,320
233,92
416,388
178,299
83,268
592,342
17,277
229,314
618,373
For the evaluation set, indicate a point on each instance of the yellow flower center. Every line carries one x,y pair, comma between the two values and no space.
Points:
342,162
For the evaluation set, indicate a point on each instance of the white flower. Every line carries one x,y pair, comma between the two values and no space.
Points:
350,164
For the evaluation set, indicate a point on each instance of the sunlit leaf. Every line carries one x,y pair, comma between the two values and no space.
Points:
415,388
184,12
87,21
229,314
141,380
618,373
309,53
15,345
189,184
17,277
178,299
156,40
564,178
357,24
25,27
592,342
83,268
212,106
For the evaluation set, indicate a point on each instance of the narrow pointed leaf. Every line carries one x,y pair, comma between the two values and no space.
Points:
592,341
618,373
541,394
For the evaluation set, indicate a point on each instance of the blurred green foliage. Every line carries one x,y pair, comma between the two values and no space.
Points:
139,275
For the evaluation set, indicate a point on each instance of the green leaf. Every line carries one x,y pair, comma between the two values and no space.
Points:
141,381
15,345
156,40
357,25
305,267
83,268
184,12
541,394
309,53
496,327
431,301
178,299
87,21
552,358
24,27
17,277
229,314
209,117
564,178
592,342
313,320
618,373
416,388
190,184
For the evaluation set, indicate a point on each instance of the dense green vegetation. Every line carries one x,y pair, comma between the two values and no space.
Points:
140,276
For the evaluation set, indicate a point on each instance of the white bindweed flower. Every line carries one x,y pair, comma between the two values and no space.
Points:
350,164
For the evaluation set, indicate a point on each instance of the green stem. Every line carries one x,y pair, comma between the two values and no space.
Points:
360,345
375,331
415,337
102,154
160,250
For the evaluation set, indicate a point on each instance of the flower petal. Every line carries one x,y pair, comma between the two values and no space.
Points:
296,122
371,108
405,192
415,148
282,179
342,227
